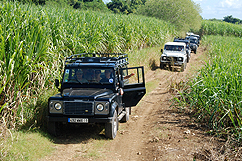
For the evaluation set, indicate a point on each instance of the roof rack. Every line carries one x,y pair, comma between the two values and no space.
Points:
178,38
119,59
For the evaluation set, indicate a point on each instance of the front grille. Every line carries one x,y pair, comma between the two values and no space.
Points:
78,108
172,59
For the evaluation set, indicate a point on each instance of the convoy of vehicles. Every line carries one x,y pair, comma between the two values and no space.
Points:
172,55
101,88
194,35
193,43
188,47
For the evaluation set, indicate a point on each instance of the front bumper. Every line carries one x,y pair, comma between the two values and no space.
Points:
64,119
172,63
194,47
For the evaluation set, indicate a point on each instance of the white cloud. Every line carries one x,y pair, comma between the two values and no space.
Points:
230,4
106,1
220,8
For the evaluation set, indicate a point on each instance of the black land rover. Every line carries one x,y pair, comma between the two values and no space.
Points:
96,88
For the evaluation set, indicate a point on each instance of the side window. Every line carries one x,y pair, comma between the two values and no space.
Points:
133,75
66,75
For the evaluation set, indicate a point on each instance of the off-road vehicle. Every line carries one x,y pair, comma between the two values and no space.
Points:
193,42
188,48
195,35
174,55
96,88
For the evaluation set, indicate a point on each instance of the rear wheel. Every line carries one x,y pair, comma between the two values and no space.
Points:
111,129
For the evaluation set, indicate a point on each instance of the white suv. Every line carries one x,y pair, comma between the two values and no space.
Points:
174,55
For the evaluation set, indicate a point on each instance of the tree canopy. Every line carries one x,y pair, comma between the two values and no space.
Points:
97,5
184,14
125,6
231,19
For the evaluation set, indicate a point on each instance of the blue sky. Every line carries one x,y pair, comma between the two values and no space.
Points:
218,8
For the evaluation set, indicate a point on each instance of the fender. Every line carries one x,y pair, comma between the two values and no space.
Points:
113,107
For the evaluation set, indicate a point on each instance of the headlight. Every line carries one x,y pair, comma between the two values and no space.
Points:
180,59
164,57
100,107
57,106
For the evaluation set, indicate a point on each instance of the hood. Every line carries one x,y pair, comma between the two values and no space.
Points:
173,53
86,92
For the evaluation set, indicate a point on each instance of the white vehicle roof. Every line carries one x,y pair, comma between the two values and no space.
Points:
192,34
191,37
176,43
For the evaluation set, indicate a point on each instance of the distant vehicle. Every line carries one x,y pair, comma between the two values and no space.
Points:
94,89
194,35
188,48
193,43
174,55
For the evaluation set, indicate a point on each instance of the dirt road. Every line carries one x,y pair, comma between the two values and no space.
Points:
155,131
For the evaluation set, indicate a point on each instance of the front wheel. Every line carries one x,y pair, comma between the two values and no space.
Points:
183,67
111,129
188,58
53,128
162,65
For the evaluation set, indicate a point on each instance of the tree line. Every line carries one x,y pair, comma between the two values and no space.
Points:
116,6
229,19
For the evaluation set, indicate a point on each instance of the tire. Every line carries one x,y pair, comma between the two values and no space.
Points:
111,129
52,128
126,116
170,68
161,65
188,59
183,67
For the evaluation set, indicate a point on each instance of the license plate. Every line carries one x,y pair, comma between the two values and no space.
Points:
78,120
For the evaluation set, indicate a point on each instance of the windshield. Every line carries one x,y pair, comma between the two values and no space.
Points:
174,48
193,40
88,75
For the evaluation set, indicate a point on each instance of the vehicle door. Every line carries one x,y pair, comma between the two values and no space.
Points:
133,85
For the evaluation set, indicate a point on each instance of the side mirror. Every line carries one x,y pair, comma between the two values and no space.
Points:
57,83
161,50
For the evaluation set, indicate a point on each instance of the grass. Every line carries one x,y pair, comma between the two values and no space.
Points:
26,146
220,28
215,94
147,57
95,150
